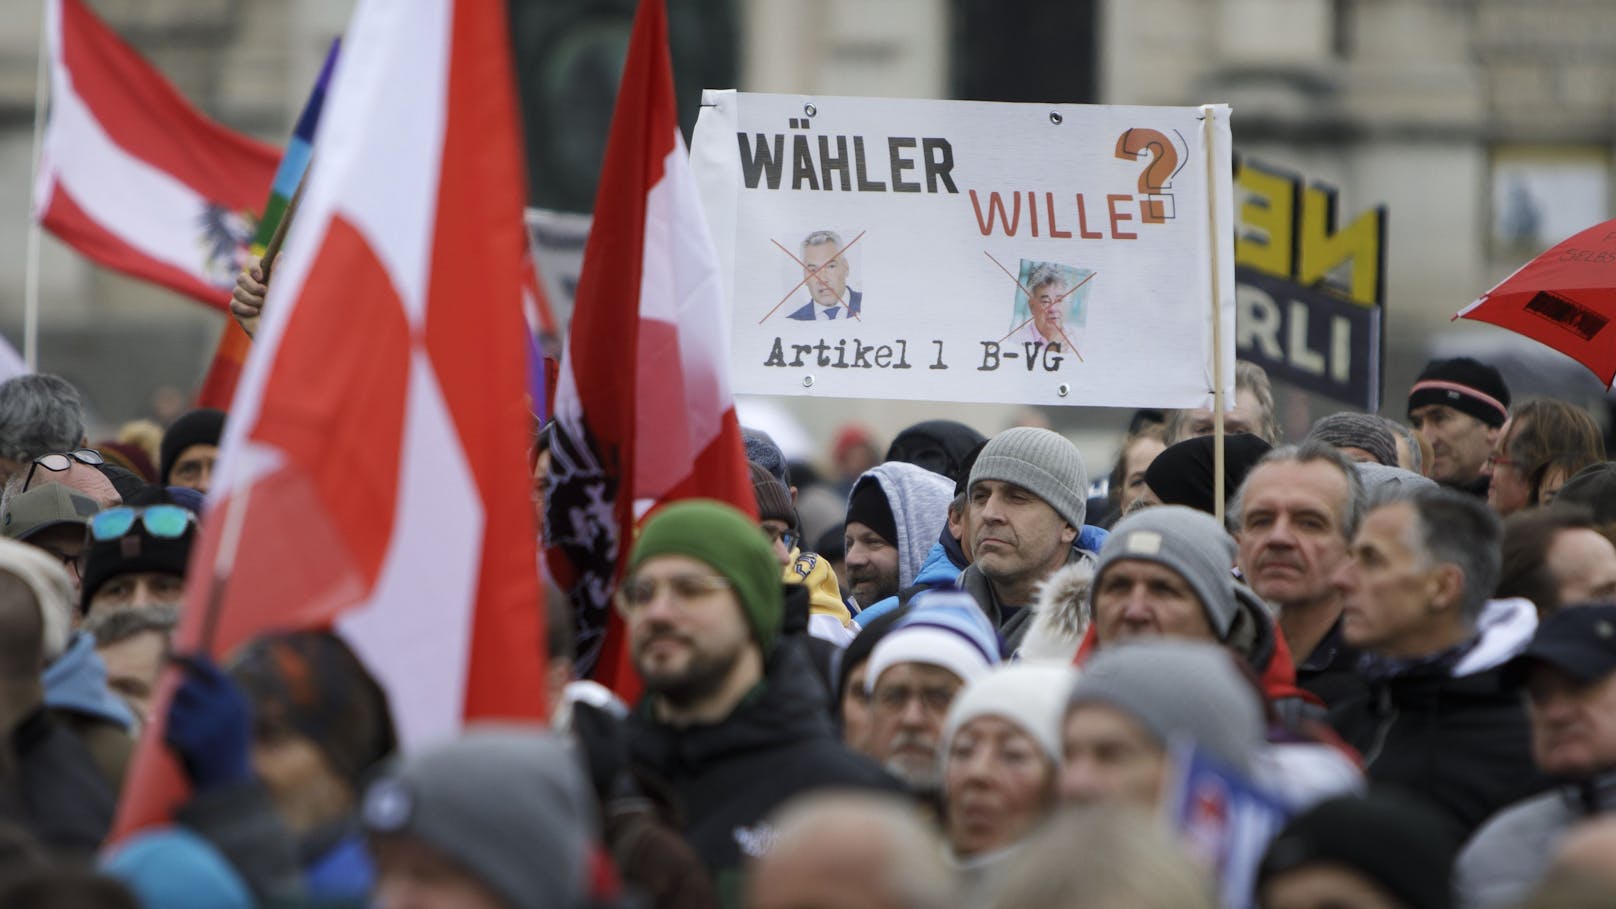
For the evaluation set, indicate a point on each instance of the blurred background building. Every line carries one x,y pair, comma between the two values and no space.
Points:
1486,128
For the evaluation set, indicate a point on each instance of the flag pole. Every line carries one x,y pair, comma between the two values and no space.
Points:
30,293
272,249
1207,132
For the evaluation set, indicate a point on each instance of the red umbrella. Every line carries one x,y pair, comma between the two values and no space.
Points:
1565,298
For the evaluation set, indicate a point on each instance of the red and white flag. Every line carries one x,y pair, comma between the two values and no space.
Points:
643,409
135,178
373,477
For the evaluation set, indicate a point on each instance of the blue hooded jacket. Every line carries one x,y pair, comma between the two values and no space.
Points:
77,681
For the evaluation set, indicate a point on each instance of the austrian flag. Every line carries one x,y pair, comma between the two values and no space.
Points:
628,440
135,178
373,478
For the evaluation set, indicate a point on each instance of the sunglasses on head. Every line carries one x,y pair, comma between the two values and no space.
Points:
164,522
57,462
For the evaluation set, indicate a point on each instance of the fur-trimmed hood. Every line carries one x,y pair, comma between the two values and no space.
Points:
1061,614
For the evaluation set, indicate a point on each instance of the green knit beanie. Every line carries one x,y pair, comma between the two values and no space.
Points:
731,544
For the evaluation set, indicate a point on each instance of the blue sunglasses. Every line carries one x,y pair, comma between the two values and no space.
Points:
165,522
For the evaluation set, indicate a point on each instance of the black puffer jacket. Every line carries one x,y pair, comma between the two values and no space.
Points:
728,777
1458,737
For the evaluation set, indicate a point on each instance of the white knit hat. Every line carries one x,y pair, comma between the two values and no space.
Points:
943,628
51,587
1031,695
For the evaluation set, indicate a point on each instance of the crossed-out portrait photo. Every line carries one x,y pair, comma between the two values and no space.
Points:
826,278
1058,309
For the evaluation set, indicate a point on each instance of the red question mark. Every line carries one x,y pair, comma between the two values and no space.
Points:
1164,162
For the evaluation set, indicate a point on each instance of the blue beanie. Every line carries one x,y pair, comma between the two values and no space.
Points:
174,868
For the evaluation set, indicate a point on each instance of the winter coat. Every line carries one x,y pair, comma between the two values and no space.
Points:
828,617
1060,615
1331,670
1509,854
64,799
1457,736
729,777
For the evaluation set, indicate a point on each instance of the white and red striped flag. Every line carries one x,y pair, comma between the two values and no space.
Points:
135,178
374,478
643,408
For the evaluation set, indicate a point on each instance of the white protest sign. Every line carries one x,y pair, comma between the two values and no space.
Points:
967,251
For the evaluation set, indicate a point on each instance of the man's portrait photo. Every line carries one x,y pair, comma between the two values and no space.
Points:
1057,310
824,274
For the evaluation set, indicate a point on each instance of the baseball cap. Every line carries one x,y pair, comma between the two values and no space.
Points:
1578,640
43,507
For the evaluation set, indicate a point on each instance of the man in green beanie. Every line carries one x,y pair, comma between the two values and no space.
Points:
733,720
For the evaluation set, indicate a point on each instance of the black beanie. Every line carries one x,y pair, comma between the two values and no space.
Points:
869,506
1395,841
133,552
940,446
1182,474
203,426
1466,385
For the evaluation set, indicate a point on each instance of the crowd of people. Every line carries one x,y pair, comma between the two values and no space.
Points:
959,675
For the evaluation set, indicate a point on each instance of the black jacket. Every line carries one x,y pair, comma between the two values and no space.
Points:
729,777
1331,670
1460,742
65,800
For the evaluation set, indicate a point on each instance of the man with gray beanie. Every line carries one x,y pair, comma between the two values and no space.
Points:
1025,507
1167,572
501,818
1130,702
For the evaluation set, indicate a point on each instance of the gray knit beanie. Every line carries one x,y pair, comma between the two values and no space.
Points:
1189,542
1384,484
509,804
1178,689
1357,430
1042,462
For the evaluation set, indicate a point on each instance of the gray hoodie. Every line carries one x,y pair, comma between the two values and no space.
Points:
919,502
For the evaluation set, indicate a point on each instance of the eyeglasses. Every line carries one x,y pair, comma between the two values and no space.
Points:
636,593
60,461
1494,461
165,522
790,538
894,698
70,562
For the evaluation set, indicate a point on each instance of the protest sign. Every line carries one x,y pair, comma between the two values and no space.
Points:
966,251
556,239
1311,293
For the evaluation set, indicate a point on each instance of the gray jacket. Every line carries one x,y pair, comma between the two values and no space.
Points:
1509,854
